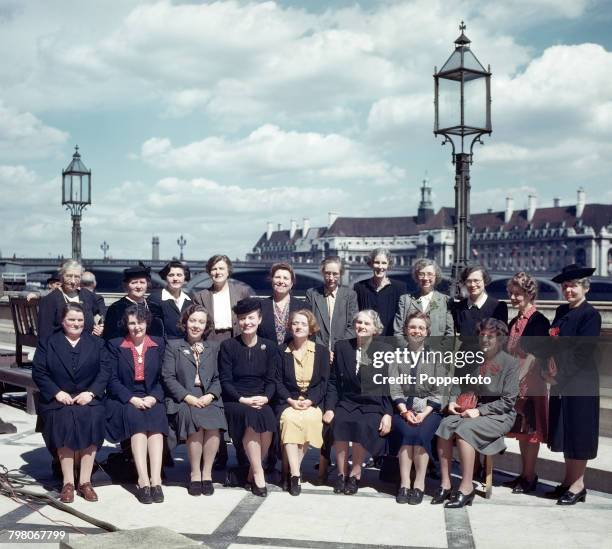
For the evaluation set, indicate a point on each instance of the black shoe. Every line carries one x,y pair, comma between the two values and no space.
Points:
339,485
144,494
569,498
415,497
257,491
556,492
294,487
441,496
460,500
351,486
403,495
194,488
525,486
207,488
513,482
157,494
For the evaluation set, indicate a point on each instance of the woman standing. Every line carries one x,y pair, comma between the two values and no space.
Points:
135,408
193,391
247,368
300,390
275,310
357,412
379,292
574,391
168,304
525,343
71,371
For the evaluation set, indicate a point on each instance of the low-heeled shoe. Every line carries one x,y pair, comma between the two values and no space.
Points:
525,486
87,492
569,498
295,488
207,488
261,492
143,494
441,496
513,482
340,484
157,494
194,488
352,485
403,495
415,497
67,493
459,499
556,492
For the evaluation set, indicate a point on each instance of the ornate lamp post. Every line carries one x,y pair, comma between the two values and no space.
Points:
104,247
181,244
462,113
76,196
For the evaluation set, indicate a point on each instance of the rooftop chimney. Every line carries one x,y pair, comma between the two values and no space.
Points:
556,202
509,209
278,227
331,218
292,228
531,207
580,202
269,227
306,226
155,248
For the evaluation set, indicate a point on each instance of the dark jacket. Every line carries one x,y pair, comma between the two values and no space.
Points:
286,383
385,302
466,318
166,315
121,382
267,328
52,369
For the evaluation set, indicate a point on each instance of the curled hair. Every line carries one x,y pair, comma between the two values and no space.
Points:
215,259
69,265
525,283
380,251
332,259
313,327
71,306
140,311
493,325
192,309
418,315
584,282
176,264
282,267
420,264
486,277
378,325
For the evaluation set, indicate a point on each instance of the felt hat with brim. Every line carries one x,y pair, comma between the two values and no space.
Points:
247,305
573,272
141,271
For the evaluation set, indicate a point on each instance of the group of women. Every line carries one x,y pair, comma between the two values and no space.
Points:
281,374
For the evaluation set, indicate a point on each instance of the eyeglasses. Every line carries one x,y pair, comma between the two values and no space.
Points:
335,275
474,281
426,275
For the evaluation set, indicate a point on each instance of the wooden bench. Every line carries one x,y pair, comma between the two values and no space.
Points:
25,322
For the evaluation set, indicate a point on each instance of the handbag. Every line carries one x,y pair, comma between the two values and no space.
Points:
467,401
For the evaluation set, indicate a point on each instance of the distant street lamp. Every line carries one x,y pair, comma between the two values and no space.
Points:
462,109
76,196
181,244
104,247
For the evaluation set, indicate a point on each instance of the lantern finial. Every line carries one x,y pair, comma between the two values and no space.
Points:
76,152
463,40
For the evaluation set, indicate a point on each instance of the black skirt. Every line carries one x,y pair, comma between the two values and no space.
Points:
406,434
240,416
573,426
75,427
189,419
125,420
361,427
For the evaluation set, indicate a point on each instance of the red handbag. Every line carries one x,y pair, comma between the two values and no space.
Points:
466,401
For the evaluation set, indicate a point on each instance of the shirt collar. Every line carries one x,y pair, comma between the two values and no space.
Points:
166,295
479,302
330,294
127,343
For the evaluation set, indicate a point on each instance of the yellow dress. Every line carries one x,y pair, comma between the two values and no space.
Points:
302,426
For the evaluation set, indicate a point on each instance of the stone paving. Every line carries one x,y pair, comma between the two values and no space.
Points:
318,518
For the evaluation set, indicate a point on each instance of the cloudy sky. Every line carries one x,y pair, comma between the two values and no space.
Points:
209,119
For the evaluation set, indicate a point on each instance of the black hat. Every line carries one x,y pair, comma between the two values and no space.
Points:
247,305
573,272
53,278
175,264
141,271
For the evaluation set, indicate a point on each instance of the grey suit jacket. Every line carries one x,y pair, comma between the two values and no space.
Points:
179,369
345,308
237,291
439,313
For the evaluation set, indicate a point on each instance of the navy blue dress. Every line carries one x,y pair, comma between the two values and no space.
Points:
60,367
573,423
122,418
384,302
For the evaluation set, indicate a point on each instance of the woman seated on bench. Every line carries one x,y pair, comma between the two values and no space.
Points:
479,425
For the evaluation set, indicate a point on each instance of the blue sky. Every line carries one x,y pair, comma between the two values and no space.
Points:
209,119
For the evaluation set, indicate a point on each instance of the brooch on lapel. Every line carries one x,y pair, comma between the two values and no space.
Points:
263,347
186,352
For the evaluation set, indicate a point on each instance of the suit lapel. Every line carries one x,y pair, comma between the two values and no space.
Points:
127,357
87,346
63,351
321,304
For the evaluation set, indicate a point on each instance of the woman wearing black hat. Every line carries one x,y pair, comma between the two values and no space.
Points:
247,369
574,392
167,304
135,283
